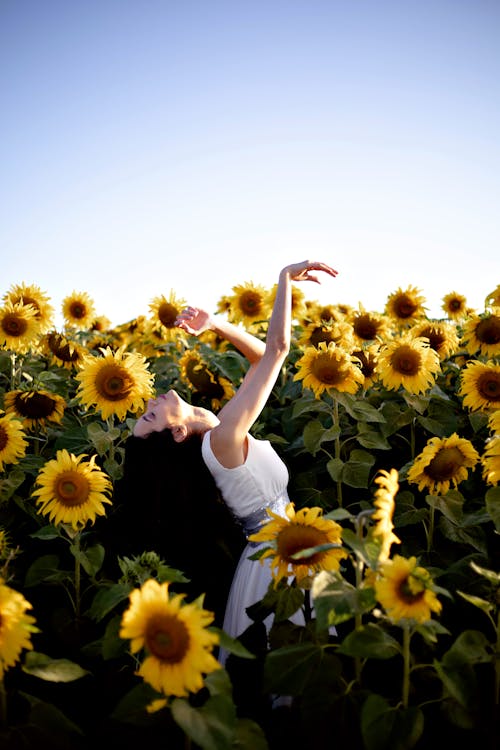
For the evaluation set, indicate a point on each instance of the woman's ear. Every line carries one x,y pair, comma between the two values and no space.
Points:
179,433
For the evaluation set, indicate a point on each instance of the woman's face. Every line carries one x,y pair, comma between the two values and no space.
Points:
164,412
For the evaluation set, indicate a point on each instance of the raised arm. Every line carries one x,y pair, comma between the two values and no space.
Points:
195,321
228,439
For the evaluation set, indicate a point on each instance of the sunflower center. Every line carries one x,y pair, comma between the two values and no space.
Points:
78,310
296,537
404,306
406,360
167,313
250,303
113,382
488,385
367,364
34,405
167,638
72,489
60,348
321,335
436,337
365,327
455,304
14,325
411,590
4,438
488,330
445,464
329,371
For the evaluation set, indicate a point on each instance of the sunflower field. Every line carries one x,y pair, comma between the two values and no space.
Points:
389,424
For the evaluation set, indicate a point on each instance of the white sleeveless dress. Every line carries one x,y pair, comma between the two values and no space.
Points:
259,483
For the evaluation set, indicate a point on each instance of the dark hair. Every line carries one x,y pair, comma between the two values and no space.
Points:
167,501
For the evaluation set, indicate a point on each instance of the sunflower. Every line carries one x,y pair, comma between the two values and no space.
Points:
5,548
494,422
406,590
384,502
196,373
19,327
405,306
493,298
115,383
164,313
442,336
298,532
481,385
369,326
35,407
491,461
62,351
326,368
175,637
482,333
249,304
32,295
338,332
319,313
13,441
366,359
408,362
443,462
100,324
72,490
16,626
455,306
78,310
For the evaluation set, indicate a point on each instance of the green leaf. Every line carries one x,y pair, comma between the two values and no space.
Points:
476,601
287,670
290,599
233,645
52,670
492,500
336,600
371,642
315,434
131,709
360,410
470,647
370,437
45,569
107,599
49,720
335,467
249,736
212,726
91,559
384,727
46,532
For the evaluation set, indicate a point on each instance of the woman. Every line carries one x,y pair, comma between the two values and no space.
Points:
248,472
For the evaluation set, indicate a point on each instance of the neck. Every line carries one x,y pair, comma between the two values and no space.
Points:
203,420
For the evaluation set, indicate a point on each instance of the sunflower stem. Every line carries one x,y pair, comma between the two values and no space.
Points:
406,665
337,446
76,543
359,566
430,530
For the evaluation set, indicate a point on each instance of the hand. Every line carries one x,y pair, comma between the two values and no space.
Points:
193,320
301,271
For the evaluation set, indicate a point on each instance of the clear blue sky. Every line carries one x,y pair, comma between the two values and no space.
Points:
150,145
